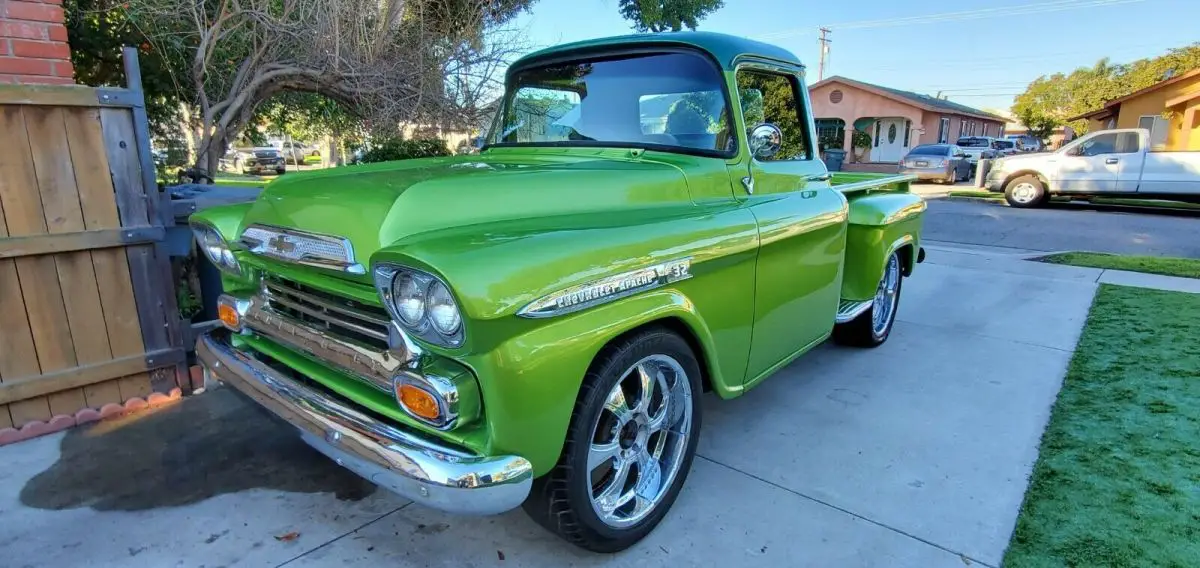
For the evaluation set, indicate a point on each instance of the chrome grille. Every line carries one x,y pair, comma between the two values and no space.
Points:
329,313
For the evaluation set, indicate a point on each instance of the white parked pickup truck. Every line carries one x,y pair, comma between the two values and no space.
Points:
1104,163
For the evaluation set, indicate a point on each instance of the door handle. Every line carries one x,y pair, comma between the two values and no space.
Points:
1111,161
821,177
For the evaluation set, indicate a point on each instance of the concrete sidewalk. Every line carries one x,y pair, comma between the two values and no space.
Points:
912,454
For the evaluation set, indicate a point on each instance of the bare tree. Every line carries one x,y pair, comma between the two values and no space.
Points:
388,61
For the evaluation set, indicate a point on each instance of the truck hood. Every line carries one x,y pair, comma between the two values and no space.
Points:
377,205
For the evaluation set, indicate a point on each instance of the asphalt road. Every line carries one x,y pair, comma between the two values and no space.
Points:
1061,228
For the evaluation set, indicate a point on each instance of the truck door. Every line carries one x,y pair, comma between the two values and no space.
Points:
1131,158
1091,166
801,222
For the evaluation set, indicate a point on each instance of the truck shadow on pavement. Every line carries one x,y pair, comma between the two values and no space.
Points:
185,453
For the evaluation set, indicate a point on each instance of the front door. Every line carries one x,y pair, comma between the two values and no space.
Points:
887,144
1093,165
801,224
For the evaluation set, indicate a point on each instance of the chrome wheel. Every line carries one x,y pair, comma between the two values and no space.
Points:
1024,192
639,440
883,308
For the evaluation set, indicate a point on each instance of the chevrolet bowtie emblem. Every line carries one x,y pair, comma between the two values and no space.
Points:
281,244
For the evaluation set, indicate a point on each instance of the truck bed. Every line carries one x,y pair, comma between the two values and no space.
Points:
853,182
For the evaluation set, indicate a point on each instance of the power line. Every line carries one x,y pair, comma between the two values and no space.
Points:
1023,9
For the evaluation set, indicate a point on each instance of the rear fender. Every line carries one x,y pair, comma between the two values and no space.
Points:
880,224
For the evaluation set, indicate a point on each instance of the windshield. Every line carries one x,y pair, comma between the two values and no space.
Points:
930,150
973,142
673,100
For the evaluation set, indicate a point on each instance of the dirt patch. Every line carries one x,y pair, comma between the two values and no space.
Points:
203,446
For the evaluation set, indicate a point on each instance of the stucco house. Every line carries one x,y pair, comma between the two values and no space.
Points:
1169,109
896,120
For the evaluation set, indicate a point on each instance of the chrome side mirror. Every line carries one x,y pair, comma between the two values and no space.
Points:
765,140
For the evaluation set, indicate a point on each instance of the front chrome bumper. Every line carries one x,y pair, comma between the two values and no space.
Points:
416,468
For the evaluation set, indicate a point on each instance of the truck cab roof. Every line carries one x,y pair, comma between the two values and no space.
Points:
725,49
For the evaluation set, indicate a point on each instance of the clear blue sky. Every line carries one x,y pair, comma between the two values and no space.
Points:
979,52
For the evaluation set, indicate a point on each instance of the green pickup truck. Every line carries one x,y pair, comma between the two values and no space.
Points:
535,324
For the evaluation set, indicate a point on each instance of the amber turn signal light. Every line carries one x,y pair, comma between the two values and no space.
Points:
229,316
419,402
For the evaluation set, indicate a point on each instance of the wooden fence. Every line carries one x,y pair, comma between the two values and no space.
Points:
88,313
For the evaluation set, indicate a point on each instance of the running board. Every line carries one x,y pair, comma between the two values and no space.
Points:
850,309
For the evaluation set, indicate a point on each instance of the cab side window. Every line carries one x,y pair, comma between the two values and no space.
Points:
1111,143
775,98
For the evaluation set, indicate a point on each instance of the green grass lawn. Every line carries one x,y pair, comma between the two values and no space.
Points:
1117,481
224,178
1185,267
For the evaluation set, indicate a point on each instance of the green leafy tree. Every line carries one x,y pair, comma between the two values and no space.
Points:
1052,99
667,15
389,62
97,30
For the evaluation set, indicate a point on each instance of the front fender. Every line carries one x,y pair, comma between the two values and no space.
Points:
530,369
530,381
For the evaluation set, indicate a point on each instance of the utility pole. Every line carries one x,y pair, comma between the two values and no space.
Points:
825,41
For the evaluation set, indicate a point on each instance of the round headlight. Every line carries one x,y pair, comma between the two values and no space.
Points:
409,299
443,313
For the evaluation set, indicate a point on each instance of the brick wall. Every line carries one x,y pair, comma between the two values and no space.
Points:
33,43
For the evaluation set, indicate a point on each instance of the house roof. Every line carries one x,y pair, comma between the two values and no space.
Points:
1111,105
919,100
725,48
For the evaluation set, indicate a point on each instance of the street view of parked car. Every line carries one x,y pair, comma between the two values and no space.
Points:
945,163
977,148
1025,142
1108,163
295,152
534,325
259,161
1005,147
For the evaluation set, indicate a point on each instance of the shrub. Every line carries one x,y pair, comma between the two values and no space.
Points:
388,149
861,139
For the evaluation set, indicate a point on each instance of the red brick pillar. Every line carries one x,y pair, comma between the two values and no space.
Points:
33,43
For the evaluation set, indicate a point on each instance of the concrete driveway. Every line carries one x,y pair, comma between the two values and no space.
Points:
913,454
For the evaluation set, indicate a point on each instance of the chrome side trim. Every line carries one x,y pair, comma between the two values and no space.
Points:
850,309
361,361
302,247
608,289
413,466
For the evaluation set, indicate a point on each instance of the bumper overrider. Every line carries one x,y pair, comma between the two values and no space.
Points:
414,467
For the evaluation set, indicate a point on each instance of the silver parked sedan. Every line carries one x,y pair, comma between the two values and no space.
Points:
938,162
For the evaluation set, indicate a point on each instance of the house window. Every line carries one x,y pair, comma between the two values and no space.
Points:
831,133
907,131
877,127
962,128
1157,126
943,130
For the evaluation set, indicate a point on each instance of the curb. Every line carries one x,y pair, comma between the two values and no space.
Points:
61,422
